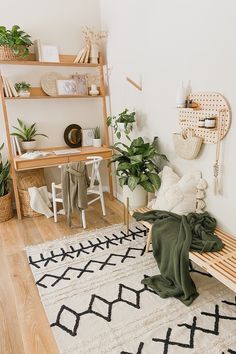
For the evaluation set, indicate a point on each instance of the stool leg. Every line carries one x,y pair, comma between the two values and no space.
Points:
149,239
54,203
83,219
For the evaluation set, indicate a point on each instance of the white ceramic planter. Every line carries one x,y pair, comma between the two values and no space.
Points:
24,93
29,145
137,198
97,142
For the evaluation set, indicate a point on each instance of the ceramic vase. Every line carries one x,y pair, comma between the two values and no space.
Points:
97,142
24,93
29,145
94,54
180,96
93,91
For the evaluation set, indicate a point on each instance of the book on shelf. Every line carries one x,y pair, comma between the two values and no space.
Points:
18,148
13,145
50,53
84,55
86,60
12,88
38,50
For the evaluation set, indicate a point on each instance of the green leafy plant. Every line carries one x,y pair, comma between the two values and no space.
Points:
126,117
26,133
4,175
22,86
16,39
97,134
136,164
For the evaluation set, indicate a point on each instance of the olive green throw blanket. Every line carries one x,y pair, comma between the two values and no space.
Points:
173,236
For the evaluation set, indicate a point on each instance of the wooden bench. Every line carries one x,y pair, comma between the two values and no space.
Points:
221,265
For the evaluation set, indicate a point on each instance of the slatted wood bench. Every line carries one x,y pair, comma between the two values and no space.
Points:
221,265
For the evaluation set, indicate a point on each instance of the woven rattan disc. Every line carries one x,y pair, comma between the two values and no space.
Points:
49,83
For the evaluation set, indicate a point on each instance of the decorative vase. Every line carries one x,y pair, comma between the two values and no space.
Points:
24,93
29,145
6,211
94,54
180,96
94,91
97,142
137,197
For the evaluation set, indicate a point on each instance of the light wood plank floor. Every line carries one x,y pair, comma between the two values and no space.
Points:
24,328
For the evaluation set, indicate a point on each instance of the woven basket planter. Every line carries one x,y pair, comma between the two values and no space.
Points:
6,211
6,53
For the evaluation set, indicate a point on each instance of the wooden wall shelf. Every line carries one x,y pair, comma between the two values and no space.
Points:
65,60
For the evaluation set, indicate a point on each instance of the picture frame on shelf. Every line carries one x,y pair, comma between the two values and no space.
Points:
87,137
67,87
81,83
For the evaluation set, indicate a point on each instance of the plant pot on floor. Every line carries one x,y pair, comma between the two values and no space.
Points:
6,211
29,145
137,197
97,142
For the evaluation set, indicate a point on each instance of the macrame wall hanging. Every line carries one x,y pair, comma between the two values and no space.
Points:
210,120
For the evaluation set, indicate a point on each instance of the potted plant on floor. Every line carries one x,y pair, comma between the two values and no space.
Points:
97,142
23,89
137,170
27,135
122,123
14,43
6,212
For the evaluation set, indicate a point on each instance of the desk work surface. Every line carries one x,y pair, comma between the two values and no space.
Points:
53,160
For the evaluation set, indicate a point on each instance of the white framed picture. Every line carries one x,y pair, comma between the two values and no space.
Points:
67,87
81,83
87,137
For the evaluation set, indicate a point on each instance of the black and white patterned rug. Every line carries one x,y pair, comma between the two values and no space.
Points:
90,287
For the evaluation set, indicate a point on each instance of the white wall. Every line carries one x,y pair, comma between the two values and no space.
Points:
56,22
166,42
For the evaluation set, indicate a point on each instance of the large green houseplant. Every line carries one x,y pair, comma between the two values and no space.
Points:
16,40
137,168
5,198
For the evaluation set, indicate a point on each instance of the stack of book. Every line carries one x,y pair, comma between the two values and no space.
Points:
9,88
83,55
15,146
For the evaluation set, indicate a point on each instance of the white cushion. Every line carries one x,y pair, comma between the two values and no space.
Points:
177,194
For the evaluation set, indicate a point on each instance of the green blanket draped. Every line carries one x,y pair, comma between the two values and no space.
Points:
173,236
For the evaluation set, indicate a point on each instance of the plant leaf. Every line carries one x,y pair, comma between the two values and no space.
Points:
133,182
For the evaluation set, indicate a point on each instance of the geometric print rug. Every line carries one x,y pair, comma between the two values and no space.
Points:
90,287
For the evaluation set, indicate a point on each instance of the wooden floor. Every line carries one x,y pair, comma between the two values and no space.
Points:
24,328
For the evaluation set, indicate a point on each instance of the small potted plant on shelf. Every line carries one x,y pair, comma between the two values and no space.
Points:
23,89
122,123
14,43
27,135
97,142
137,170
6,212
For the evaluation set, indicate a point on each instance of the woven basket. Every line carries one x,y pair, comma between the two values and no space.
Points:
6,53
25,180
6,211
31,178
25,204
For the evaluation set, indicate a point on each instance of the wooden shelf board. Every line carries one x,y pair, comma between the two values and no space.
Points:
65,60
38,93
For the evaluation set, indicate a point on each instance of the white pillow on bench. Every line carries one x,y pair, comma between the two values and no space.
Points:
177,194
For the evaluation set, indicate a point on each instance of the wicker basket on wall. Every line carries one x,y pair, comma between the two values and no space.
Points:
6,53
6,207
25,180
